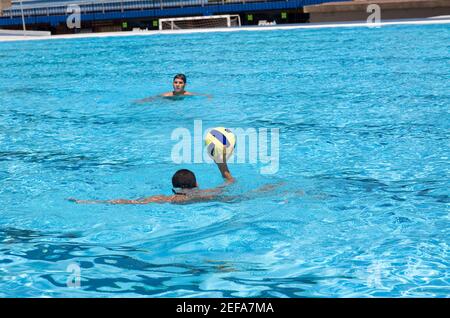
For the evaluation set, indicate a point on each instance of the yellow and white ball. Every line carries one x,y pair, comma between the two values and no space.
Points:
217,141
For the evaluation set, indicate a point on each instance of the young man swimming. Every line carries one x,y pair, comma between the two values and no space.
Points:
179,85
185,190
179,90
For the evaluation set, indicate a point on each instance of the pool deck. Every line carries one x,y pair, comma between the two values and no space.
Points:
428,21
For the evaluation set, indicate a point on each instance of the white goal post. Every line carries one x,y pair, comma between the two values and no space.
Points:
201,22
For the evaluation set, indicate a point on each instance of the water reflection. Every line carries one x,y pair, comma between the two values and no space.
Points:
132,275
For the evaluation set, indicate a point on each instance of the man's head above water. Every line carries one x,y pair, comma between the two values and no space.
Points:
185,189
184,179
179,90
179,83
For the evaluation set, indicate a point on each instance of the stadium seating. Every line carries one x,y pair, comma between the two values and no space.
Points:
54,12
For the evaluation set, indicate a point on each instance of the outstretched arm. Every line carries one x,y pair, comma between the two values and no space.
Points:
87,201
226,174
223,168
152,199
209,96
146,100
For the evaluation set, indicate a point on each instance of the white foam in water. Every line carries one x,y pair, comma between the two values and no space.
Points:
22,37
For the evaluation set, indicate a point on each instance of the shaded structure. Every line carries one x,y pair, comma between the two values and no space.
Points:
4,4
390,9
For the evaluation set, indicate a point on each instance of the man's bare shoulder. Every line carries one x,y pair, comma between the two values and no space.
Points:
189,198
194,196
159,199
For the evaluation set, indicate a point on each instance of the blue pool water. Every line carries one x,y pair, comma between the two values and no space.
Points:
363,209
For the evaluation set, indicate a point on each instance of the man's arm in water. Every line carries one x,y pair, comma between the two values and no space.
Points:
147,99
180,199
153,98
186,93
168,94
152,199
209,96
203,195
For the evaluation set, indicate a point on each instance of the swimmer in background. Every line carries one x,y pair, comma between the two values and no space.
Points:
179,85
185,190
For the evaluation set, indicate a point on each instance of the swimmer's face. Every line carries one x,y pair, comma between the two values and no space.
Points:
178,85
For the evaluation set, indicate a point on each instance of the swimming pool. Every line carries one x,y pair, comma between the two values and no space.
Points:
364,125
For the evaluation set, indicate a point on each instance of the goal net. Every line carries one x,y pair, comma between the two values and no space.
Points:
203,22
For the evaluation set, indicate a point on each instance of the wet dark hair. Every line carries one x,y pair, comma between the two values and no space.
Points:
180,76
184,179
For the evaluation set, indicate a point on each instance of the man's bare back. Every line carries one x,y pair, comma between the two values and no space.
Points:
185,190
